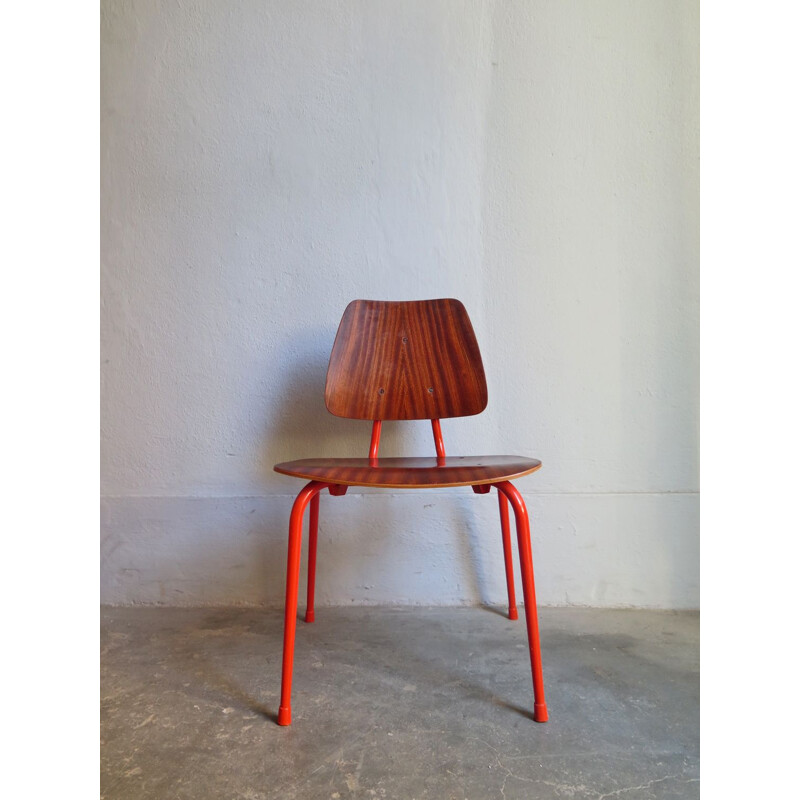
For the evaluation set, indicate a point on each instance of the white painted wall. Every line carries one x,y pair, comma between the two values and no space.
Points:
264,163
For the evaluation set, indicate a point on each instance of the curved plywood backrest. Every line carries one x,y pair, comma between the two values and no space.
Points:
405,360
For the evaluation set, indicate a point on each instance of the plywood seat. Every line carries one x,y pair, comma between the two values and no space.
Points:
411,473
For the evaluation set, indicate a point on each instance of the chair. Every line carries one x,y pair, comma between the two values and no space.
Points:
403,361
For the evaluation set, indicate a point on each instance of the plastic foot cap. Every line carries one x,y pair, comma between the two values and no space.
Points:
512,613
309,616
540,712
284,716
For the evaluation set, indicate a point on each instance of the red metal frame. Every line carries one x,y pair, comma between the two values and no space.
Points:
310,490
529,594
313,524
375,441
438,441
512,600
309,494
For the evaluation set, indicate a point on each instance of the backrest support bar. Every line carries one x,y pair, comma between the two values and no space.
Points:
437,438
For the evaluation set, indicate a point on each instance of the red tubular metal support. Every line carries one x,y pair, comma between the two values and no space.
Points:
309,491
529,593
313,524
512,600
437,438
375,441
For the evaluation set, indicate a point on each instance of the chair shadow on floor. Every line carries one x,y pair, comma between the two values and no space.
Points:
417,666
237,695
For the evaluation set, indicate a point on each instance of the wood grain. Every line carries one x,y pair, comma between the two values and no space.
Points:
405,360
411,473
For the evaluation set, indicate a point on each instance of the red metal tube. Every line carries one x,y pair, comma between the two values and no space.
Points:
437,438
292,580
512,600
313,524
529,593
375,441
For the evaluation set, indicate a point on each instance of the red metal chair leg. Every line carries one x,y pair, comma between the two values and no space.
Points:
309,491
313,523
529,593
512,600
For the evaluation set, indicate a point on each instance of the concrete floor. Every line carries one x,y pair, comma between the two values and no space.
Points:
398,703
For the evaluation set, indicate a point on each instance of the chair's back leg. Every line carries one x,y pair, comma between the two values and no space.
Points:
309,491
512,600
529,594
313,524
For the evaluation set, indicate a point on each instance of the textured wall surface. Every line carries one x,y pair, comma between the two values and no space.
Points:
264,163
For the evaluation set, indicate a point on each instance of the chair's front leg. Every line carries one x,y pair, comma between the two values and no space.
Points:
529,593
512,600
313,524
311,490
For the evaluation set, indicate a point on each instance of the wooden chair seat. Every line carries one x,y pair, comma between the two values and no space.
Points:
411,473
